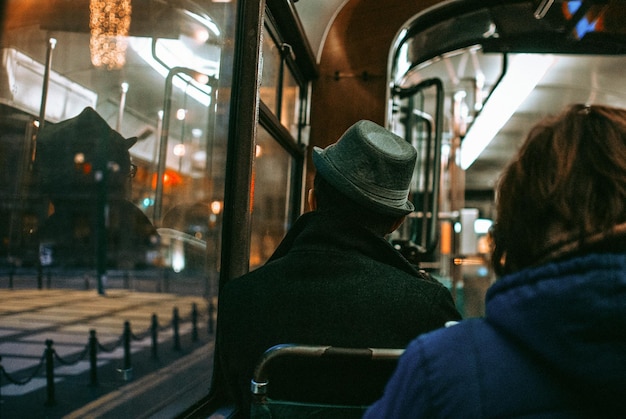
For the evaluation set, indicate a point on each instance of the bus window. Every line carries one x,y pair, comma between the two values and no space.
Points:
159,73
271,199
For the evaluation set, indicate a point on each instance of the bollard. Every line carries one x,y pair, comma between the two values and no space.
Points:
155,336
194,322
93,359
50,401
175,321
211,313
127,370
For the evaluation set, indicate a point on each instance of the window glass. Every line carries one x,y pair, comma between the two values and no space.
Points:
176,173
270,214
128,197
270,76
290,109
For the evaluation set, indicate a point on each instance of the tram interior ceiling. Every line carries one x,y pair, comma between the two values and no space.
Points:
473,52
503,69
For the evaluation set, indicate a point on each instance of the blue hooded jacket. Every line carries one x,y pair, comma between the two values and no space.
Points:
552,344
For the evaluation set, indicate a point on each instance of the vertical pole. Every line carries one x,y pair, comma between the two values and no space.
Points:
242,131
165,128
161,164
155,163
52,42
155,336
50,400
127,371
101,175
242,118
120,114
211,314
93,360
175,321
194,322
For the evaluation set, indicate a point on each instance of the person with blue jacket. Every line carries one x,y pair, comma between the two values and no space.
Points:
553,340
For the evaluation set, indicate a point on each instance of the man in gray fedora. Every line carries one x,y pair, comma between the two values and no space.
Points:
335,279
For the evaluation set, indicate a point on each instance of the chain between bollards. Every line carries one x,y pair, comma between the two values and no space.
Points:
93,347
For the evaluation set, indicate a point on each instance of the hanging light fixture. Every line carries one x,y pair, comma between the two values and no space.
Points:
109,22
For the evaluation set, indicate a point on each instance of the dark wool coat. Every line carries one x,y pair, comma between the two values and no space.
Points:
328,283
552,345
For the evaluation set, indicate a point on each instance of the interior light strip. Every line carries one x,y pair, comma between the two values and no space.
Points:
524,73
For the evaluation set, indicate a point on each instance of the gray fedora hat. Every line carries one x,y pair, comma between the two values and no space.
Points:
370,165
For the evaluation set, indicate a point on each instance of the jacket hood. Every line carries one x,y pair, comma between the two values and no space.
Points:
572,315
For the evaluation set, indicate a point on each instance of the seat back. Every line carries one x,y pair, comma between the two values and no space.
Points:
310,381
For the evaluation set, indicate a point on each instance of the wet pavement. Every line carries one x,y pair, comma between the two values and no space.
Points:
150,376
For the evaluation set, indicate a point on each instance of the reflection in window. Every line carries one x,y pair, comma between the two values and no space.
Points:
270,76
131,101
290,109
280,89
270,213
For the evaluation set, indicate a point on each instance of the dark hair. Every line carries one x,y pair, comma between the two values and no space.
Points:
568,182
329,199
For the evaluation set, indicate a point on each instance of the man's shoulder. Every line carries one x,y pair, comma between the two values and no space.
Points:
253,283
422,282
234,285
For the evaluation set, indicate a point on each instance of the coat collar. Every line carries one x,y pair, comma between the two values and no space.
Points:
322,230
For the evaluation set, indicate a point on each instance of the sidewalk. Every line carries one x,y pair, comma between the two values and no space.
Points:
30,317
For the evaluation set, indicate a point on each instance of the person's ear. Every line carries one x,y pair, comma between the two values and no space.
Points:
396,224
312,199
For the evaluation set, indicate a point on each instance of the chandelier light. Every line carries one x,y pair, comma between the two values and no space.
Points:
109,22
